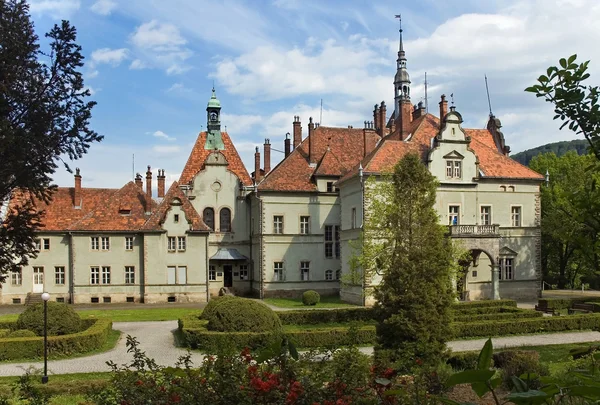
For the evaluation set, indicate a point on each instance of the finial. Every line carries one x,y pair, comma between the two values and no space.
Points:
452,98
213,85
400,46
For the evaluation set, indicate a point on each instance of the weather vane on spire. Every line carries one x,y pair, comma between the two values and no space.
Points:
399,17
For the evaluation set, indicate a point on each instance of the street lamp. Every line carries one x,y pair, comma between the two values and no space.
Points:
45,297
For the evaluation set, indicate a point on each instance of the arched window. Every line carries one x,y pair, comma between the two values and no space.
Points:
208,216
225,220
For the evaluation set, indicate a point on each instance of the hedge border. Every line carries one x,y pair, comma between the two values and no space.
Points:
498,316
565,303
317,316
93,337
484,303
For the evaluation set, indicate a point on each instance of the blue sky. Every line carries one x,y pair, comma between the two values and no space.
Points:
151,64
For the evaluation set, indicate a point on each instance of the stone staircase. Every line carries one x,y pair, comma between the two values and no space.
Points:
33,299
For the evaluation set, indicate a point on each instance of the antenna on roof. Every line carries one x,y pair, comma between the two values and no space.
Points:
487,90
426,98
321,116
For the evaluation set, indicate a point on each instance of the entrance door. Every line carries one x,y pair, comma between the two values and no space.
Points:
38,280
227,276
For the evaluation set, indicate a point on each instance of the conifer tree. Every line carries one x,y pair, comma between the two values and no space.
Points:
44,120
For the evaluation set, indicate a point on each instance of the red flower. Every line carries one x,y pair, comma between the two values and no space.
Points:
419,362
139,382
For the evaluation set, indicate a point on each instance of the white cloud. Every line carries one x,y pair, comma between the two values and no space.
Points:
103,7
138,64
162,135
91,74
155,35
113,57
55,8
166,149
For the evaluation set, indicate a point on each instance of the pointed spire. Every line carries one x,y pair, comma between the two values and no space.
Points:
400,45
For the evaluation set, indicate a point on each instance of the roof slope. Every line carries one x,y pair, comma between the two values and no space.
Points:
124,210
195,162
336,150
191,215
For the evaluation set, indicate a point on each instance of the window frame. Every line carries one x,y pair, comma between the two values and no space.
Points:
278,222
16,277
454,169
129,275
329,275
328,238
505,269
94,243
105,243
46,243
353,218
228,222
95,275
171,244
305,270
106,275
210,210
181,243
278,271
519,215
244,274
488,214
128,243
58,275
304,225
212,273
454,214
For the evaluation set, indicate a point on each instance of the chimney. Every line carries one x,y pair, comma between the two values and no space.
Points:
311,140
297,131
443,108
369,126
286,144
256,166
138,181
382,118
267,156
149,184
161,183
376,117
406,110
77,192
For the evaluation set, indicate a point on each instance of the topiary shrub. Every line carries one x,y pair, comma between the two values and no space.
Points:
242,315
310,297
517,363
62,319
214,303
22,333
465,361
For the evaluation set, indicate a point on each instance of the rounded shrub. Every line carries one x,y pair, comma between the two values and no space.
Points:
62,319
214,303
242,315
22,333
310,297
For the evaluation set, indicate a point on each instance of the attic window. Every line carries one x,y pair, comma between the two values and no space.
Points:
176,218
330,188
124,211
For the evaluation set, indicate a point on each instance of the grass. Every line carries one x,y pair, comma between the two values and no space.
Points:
126,315
326,302
554,356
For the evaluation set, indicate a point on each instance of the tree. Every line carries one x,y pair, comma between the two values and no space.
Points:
44,119
404,244
574,103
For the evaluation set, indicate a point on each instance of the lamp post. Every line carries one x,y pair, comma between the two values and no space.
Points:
45,297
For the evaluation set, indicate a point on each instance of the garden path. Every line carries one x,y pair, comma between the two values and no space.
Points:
157,340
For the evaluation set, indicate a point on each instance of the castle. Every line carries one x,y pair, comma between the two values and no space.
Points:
284,230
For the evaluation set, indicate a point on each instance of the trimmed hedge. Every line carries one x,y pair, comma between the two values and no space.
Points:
524,326
310,297
62,319
93,337
498,316
485,310
333,337
242,315
312,317
565,303
458,306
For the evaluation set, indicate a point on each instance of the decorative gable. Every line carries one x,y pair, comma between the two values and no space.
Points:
506,251
451,129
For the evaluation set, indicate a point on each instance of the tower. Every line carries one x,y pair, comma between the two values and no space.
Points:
402,105
213,124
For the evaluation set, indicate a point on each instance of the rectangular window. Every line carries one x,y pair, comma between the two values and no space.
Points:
353,219
278,271
457,169
105,242
129,243
453,215
46,243
176,218
515,214
38,244
453,169
244,272
506,268
171,243
38,275
278,224
181,243
449,169
95,243
59,275
304,271
212,274
330,188
129,275
94,275
181,275
328,275
329,241
304,225
16,277
171,274
486,215
337,241
105,275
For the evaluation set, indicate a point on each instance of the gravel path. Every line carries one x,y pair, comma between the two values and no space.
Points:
156,339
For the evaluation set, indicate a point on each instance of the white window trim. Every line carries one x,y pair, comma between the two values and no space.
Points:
282,224
458,222
307,225
520,206
491,213
282,278
127,238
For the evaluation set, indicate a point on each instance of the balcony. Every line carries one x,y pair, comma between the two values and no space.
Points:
474,231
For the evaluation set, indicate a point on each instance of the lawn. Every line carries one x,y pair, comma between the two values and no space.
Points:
556,355
326,302
126,315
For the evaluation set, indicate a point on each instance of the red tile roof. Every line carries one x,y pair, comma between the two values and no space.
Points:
336,151
107,215
191,215
195,162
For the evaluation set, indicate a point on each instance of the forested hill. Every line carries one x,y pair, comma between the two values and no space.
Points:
559,148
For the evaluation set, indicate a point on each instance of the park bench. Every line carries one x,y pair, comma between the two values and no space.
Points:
582,308
546,310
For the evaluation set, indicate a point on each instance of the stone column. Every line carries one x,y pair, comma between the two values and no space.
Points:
495,282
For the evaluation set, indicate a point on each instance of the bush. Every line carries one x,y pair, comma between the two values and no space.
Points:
459,306
303,317
93,337
214,303
333,337
22,333
484,310
62,319
465,361
310,297
517,363
565,303
242,315
4,332
498,316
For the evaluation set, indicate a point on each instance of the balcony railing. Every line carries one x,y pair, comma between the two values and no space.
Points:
474,230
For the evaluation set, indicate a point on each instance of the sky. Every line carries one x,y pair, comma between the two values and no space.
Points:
151,65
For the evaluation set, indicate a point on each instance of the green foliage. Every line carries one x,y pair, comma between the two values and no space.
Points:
242,315
565,303
44,119
62,319
22,333
461,306
303,317
93,337
498,316
517,363
404,243
4,332
579,146
465,361
209,309
310,297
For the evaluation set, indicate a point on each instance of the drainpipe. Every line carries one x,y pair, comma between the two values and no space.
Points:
207,267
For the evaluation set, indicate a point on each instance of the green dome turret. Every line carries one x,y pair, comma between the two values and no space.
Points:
214,101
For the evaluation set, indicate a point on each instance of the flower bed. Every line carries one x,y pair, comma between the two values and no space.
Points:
93,337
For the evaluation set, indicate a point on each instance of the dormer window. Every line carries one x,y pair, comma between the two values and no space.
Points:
453,169
330,187
124,211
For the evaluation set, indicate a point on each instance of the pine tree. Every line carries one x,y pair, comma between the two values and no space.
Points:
44,120
415,260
